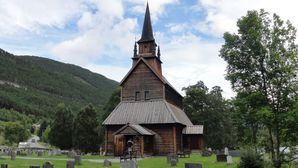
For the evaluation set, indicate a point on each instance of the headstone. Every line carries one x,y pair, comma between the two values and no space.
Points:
71,154
34,166
206,153
221,158
229,160
129,164
107,163
4,165
193,165
235,153
70,164
77,160
13,155
172,156
39,153
173,162
48,165
226,151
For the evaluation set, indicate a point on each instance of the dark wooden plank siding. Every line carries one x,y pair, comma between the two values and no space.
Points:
140,80
163,139
173,97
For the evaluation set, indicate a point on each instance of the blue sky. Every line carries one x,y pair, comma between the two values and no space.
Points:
99,34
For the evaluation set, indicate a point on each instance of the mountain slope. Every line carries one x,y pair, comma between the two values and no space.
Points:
35,85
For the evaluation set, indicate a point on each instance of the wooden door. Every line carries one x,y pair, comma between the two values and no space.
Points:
119,145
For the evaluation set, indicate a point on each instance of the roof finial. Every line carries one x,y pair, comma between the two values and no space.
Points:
158,52
147,33
135,50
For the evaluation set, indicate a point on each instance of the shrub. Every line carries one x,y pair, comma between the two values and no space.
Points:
250,159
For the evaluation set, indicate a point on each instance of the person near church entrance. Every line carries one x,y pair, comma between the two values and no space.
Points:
129,146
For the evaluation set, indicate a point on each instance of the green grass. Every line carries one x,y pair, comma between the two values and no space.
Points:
154,162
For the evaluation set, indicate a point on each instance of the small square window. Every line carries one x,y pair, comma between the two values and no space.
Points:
137,96
147,95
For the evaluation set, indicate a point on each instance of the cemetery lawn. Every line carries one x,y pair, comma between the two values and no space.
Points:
152,162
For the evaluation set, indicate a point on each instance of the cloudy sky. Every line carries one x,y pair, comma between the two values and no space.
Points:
99,34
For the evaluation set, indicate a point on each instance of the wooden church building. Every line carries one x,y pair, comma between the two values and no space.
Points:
150,112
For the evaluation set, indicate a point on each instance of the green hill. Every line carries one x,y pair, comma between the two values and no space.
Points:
35,85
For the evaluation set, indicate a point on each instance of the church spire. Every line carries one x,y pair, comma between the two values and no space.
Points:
147,33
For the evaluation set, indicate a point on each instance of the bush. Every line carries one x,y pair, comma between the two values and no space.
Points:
250,159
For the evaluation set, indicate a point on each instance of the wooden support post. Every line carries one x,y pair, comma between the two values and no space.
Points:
174,138
142,146
106,140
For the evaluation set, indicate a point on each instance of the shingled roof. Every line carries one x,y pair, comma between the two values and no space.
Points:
147,112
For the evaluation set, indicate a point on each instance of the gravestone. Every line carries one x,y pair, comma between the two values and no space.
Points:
129,164
221,158
13,155
226,151
71,154
229,159
107,163
173,162
235,153
34,166
206,153
39,153
4,165
193,165
70,164
48,165
77,160
172,156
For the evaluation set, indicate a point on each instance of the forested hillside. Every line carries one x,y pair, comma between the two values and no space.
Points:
35,85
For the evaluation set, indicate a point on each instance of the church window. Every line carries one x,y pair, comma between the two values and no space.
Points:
137,96
146,95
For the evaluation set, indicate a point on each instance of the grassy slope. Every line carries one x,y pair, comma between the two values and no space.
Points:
44,83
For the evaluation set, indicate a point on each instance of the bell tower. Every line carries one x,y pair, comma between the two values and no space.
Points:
147,46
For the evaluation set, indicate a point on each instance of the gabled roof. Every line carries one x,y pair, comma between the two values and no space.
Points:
146,112
147,33
137,128
195,129
161,78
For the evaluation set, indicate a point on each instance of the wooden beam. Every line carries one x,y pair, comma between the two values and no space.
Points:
174,137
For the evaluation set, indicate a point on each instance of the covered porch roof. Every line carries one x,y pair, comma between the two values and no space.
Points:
133,129
193,130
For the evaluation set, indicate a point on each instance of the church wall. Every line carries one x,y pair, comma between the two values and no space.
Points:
140,80
164,139
109,139
172,97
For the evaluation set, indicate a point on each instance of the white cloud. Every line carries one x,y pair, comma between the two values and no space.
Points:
222,15
188,59
31,15
114,72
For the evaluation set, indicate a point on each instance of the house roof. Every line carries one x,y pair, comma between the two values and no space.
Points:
137,128
161,78
147,112
194,129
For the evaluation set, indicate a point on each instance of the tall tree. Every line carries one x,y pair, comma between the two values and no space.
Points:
210,110
15,132
86,134
262,57
61,134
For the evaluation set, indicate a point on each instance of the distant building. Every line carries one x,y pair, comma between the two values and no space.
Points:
150,112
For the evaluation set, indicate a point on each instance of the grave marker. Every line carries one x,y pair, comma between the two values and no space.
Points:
48,165
193,165
70,164
129,164
107,163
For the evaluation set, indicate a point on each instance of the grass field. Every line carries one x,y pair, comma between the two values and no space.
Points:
89,162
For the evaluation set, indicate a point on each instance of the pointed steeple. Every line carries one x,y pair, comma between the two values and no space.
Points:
135,50
158,52
147,33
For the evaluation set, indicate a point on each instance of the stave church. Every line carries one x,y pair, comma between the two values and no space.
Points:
150,111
